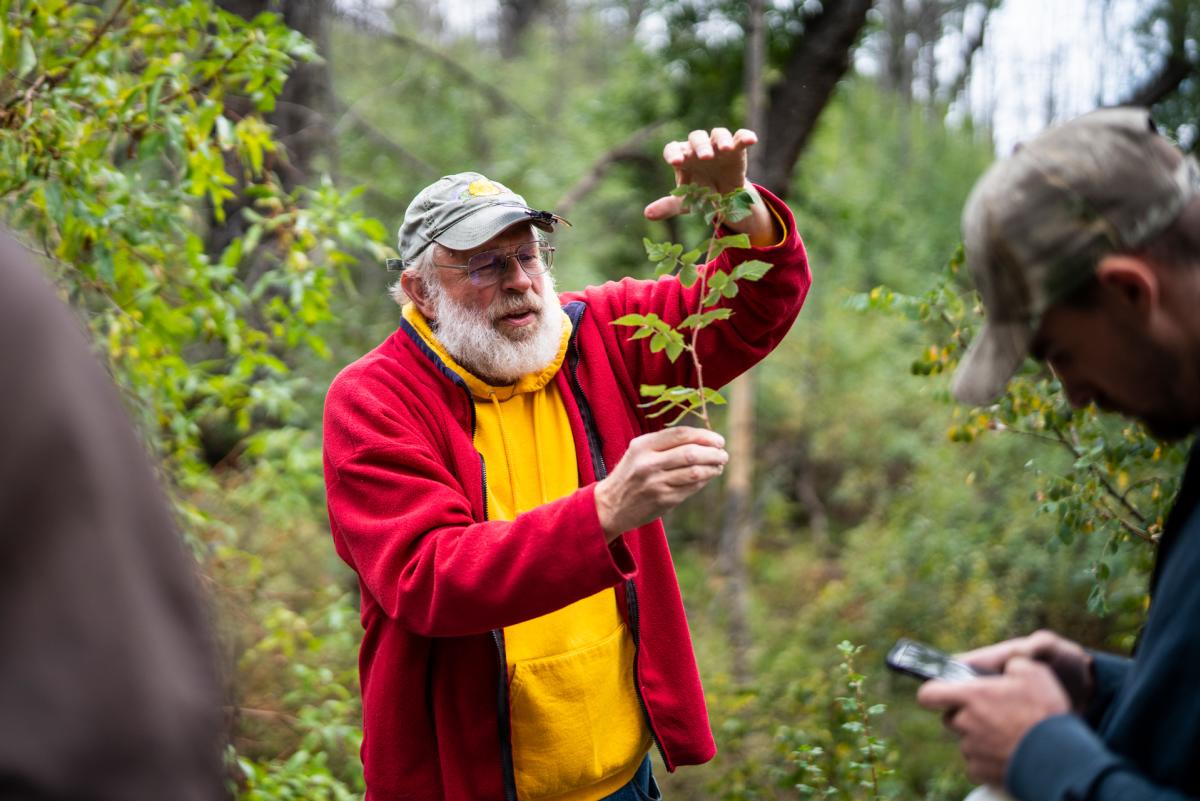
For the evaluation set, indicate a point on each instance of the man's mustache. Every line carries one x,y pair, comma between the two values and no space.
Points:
520,304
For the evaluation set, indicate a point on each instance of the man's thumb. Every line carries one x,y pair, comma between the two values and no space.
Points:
664,208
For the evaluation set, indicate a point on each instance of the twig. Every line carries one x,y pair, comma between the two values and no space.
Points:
629,149
1109,488
207,82
492,92
708,257
52,81
1140,533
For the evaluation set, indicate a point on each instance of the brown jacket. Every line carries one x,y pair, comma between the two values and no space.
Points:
107,683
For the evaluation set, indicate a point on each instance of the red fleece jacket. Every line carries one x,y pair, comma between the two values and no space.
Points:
439,580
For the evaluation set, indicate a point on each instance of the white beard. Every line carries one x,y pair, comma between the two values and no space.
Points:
472,339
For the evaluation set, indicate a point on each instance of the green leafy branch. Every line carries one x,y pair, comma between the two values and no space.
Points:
1119,479
715,287
856,764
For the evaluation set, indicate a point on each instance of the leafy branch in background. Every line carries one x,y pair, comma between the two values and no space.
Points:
856,764
118,154
129,133
715,288
1119,482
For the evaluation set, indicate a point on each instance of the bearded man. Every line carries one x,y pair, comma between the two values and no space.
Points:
1085,246
496,487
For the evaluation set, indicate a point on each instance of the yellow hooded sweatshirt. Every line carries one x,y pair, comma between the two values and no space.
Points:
578,733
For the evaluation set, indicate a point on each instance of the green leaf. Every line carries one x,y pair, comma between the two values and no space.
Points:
752,270
632,319
705,319
652,390
740,241
688,275
28,58
656,251
152,99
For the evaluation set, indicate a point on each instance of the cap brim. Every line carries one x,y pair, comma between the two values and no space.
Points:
485,224
993,358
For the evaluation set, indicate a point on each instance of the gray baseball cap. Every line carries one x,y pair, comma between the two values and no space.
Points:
1037,224
463,211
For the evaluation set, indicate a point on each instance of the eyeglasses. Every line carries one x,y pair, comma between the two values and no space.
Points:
487,268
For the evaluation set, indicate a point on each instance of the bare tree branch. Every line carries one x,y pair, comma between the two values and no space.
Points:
629,150
1175,70
380,139
499,100
971,47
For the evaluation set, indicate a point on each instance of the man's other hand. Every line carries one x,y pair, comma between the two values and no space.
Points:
718,160
992,714
1070,663
657,473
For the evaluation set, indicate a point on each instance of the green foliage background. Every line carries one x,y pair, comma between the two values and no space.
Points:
119,150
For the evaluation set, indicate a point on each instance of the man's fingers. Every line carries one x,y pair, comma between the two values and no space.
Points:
937,694
692,478
701,144
722,139
991,658
690,454
744,137
664,208
676,153
681,435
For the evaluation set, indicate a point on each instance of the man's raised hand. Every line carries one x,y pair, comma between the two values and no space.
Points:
717,160
657,473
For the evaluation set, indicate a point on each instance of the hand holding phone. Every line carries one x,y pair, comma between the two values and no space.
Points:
926,662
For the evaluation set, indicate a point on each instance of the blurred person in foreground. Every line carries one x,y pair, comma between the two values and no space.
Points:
108,680
1085,246
497,488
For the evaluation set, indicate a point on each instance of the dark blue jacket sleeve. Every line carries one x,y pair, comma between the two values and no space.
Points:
1062,759
1108,672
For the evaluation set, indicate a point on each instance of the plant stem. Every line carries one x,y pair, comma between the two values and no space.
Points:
695,354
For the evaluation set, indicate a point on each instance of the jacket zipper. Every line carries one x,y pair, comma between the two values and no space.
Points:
585,411
631,602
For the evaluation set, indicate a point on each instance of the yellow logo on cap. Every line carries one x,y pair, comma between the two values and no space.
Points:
483,187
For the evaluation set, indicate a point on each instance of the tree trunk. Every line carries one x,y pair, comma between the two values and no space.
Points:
300,117
736,528
818,60
515,18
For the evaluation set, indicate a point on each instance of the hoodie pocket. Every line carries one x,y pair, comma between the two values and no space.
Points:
576,721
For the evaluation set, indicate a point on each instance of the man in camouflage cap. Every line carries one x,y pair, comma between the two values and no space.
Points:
1085,247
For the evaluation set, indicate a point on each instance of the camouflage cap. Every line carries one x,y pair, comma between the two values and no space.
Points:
1038,222
463,211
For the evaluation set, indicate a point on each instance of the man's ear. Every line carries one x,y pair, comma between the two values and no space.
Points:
414,286
1131,280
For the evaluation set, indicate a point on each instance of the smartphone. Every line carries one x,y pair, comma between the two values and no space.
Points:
926,662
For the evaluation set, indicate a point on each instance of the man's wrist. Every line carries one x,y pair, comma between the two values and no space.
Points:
761,225
604,511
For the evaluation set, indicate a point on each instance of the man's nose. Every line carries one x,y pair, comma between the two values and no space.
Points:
515,279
